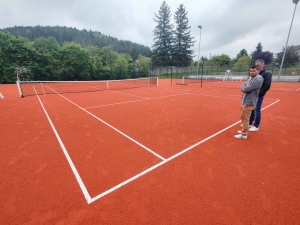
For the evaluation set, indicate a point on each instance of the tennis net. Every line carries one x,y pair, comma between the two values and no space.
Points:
27,88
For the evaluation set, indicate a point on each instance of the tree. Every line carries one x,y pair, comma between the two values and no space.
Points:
163,36
242,61
134,55
257,50
122,66
143,66
266,56
291,57
77,62
182,55
203,58
46,64
242,53
221,60
15,55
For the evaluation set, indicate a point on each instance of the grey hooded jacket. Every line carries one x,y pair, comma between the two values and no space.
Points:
251,90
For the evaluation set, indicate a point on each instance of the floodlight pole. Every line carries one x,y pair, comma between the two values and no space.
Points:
296,2
199,51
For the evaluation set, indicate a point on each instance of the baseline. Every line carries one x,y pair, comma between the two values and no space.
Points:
166,160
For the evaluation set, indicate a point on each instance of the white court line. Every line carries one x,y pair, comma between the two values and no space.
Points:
120,132
298,89
165,161
129,94
84,190
217,96
119,103
77,176
1,96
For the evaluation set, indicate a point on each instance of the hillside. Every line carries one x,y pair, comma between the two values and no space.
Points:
82,37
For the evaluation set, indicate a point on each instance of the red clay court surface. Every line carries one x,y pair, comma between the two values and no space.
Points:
157,155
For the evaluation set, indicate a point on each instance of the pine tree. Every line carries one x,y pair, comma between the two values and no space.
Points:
258,49
242,53
182,55
163,37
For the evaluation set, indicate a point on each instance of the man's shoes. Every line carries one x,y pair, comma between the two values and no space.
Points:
253,128
240,136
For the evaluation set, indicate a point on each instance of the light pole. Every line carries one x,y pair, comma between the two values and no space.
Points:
296,2
199,51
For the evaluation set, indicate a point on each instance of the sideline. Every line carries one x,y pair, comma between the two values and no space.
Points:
1,95
77,176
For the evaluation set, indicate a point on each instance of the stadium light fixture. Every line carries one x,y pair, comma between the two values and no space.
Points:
199,50
296,2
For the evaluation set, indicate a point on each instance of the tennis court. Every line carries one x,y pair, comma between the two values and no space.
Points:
148,155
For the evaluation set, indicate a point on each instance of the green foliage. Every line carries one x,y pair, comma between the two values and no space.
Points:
134,55
45,59
15,55
257,50
121,66
163,37
221,60
76,62
82,37
242,61
242,53
143,66
182,55
291,57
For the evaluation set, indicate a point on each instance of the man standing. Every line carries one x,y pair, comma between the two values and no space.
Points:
249,99
256,113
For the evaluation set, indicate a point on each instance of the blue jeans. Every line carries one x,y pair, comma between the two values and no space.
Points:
256,113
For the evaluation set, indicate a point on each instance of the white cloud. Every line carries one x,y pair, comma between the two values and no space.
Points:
228,26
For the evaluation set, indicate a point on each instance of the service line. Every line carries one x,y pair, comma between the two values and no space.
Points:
140,100
120,132
165,161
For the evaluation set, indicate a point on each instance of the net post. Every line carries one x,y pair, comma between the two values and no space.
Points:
19,86
107,85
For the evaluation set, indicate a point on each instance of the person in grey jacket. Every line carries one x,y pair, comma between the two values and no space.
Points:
249,99
256,113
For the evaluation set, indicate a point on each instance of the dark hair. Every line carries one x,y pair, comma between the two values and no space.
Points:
253,67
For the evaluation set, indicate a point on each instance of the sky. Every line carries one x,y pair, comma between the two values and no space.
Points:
228,26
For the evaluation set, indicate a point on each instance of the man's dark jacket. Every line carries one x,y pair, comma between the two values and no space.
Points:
267,82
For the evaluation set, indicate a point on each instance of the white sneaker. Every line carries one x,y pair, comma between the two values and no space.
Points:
253,128
240,136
